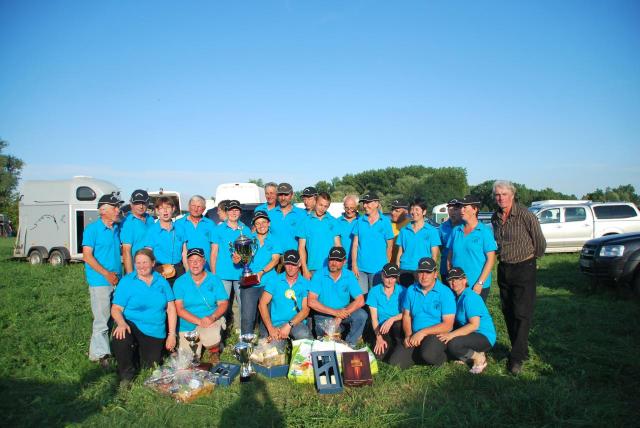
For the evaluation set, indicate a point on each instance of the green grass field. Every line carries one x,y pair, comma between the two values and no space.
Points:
584,369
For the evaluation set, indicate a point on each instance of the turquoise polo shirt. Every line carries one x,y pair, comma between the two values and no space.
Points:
264,207
285,227
145,305
201,300
416,245
224,236
335,294
387,307
197,236
283,308
468,305
166,244
320,234
372,242
444,230
470,251
105,243
428,310
345,228
263,256
134,231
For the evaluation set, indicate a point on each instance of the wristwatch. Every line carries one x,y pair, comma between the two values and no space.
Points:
481,282
290,324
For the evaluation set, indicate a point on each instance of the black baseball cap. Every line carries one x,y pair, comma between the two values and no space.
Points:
284,189
426,264
369,197
391,269
291,257
454,201
309,192
399,203
455,273
110,199
139,197
232,204
337,253
195,252
470,200
258,215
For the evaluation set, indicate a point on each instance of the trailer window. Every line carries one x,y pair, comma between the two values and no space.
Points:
84,193
614,211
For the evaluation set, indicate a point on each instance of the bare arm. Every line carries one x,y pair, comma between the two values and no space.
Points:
315,304
214,257
354,257
302,250
389,249
473,325
435,252
398,255
126,258
486,270
172,321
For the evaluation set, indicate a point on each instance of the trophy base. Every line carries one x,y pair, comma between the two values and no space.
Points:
249,280
245,379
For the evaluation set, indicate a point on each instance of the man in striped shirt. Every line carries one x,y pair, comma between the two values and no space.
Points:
520,241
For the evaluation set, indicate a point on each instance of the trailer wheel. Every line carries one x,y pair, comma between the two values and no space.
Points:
35,257
56,258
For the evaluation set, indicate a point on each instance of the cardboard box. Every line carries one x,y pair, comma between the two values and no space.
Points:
225,373
326,372
273,371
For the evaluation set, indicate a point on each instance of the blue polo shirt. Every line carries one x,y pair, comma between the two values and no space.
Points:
201,300
285,227
105,243
428,310
264,207
470,251
372,242
468,305
335,294
197,236
387,307
166,244
444,230
145,305
263,256
416,245
346,235
283,308
320,236
224,236
134,231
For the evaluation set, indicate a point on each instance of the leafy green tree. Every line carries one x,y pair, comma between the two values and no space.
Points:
10,170
257,181
625,193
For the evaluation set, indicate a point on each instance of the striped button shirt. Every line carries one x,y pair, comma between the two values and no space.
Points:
519,238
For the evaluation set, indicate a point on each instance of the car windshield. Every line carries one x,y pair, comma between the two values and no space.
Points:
535,210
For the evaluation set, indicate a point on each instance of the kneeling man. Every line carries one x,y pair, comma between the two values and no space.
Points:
336,297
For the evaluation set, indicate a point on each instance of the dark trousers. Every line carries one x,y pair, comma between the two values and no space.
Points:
394,337
249,298
462,347
431,351
136,350
484,294
517,282
407,277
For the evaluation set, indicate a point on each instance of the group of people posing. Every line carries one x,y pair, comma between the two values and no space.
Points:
362,274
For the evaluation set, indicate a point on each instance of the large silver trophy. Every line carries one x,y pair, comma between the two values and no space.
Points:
242,351
192,337
246,248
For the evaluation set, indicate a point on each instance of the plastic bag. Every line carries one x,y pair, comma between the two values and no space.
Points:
269,354
301,367
332,331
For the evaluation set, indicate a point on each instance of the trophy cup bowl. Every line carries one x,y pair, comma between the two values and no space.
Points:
242,351
246,248
192,337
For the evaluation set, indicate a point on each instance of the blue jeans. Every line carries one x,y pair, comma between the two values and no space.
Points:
298,331
101,310
249,297
355,321
368,280
235,285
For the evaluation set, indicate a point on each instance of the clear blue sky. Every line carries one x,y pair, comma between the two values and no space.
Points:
188,95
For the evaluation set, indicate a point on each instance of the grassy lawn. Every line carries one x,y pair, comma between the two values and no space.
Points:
584,370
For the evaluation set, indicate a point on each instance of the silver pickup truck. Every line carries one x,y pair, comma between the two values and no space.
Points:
567,225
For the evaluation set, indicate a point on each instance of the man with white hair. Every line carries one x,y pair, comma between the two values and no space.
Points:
520,241
196,228
271,195
101,255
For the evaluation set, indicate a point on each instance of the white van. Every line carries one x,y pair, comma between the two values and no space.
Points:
567,225
245,193
53,216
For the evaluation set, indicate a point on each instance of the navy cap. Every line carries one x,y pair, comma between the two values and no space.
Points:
399,203
456,273
195,252
391,269
139,197
470,200
284,189
110,199
291,257
426,264
369,197
454,201
309,192
337,253
258,215
232,204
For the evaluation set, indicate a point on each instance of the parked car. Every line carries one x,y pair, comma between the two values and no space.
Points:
567,225
614,258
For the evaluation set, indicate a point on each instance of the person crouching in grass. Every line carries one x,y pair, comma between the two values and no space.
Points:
475,333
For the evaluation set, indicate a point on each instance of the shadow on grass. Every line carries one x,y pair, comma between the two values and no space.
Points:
31,403
254,407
